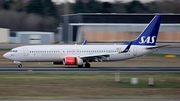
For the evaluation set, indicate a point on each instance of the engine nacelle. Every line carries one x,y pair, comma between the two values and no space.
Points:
57,63
72,61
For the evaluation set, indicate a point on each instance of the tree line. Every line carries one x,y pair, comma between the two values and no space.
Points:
44,15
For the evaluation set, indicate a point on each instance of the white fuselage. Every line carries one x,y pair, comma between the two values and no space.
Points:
53,53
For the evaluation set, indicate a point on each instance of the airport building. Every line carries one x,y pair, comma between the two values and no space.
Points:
116,27
4,32
31,37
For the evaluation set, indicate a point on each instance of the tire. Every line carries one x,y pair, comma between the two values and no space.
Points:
20,65
87,65
80,66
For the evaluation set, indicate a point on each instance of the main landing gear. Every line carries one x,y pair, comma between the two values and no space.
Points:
87,65
80,66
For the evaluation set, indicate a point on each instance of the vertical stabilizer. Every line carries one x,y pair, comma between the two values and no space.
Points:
149,35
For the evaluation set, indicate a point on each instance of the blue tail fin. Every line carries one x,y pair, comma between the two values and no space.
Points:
149,35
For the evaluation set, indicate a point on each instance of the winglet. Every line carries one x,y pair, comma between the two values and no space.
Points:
84,42
127,48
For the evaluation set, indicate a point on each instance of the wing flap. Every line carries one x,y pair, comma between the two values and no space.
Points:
95,55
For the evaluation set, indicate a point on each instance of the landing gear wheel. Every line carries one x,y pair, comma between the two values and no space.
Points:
80,66
20,65
87,65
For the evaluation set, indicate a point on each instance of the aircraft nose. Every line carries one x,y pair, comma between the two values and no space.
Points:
5,55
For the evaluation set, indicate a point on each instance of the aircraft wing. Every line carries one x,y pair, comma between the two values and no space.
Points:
100,56
96,57
154,47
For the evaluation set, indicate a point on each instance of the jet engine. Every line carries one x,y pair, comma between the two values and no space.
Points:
72,61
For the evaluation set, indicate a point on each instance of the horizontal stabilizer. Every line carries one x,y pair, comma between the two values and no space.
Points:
157,47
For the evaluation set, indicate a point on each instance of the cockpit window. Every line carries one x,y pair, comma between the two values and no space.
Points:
13,51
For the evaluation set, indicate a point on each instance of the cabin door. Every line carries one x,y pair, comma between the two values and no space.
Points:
25,51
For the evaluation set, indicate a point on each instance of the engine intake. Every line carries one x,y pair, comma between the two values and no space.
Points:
72,61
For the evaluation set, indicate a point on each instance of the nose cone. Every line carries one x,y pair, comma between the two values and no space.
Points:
5,55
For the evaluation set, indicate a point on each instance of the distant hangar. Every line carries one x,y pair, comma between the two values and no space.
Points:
31,37
116,27
4,35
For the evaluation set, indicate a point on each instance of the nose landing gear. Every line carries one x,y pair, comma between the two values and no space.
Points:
20,65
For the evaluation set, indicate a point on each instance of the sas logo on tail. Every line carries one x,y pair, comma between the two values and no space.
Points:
149,39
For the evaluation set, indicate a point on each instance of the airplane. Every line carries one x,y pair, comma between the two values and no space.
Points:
82,55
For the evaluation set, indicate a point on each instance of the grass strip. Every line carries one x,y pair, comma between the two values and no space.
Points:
86,86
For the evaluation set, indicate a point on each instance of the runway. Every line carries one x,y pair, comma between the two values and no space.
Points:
93,69
104,100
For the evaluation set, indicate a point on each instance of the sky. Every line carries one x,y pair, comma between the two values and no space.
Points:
61,1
